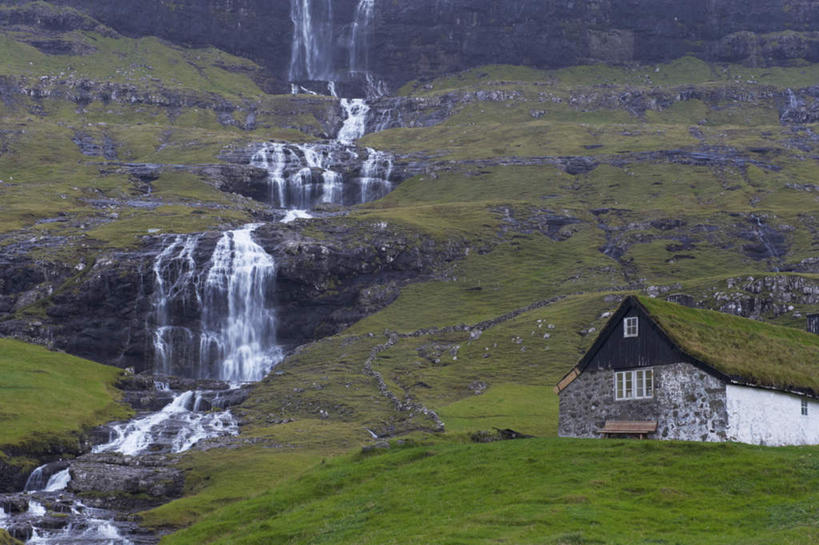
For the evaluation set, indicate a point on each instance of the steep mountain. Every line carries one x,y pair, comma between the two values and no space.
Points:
404,45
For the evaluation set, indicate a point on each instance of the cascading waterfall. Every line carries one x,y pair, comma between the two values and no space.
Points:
58,481
375,175
238,321
301,176
356,111
87,526
176,428
37,480
176,287
220,324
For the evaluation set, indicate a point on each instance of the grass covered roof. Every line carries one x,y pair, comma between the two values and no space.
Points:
750,352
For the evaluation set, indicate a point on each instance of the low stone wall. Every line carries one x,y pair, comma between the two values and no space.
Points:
688,404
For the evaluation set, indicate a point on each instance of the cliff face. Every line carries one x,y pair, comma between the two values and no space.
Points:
424,38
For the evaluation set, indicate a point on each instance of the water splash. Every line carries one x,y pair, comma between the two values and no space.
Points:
293,215
176,428
58,481
87,527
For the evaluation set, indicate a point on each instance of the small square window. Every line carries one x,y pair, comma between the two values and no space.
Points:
804,407
630,327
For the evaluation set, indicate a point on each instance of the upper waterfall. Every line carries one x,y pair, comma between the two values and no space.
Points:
326,49
359,44
311,56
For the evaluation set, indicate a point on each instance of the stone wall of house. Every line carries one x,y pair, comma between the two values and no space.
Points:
688,404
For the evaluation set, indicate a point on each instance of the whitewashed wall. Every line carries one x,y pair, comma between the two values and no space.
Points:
763,417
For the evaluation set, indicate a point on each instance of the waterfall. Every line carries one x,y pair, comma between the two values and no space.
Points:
355,122
238,321
302,176
176,291
220,324
273,159
311,55
37,480
375,175
58,481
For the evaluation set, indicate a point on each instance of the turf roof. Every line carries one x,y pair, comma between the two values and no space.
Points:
749,352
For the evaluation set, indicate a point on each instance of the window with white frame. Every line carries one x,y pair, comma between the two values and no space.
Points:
635,384
631,327
804,407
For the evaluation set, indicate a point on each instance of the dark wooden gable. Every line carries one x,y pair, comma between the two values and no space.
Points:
612,350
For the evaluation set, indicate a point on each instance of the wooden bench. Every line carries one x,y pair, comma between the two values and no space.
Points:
627,427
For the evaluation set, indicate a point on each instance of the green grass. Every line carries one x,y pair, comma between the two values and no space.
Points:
760,353
47,394
6,539
527,409
534,492
217,477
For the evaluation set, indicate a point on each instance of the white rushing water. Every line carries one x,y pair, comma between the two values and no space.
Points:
356,111
87,527
238,320
36,480
36,509
293,215
176,428
375,175
175,283
218,324
302,176
58,481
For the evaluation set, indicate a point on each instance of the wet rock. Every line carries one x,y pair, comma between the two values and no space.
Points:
114,480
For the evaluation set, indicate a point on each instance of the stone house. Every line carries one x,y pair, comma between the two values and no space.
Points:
665,371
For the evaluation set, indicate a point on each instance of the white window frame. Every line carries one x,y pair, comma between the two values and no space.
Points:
634,384
804,407
631,327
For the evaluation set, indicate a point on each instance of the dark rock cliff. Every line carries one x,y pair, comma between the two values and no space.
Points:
424,38
324,285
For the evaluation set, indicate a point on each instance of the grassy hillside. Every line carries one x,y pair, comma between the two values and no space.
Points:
45,396
535,492
551,252
568,190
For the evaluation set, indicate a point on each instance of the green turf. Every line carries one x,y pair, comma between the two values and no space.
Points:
759,353
535,492
527,409
45,394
